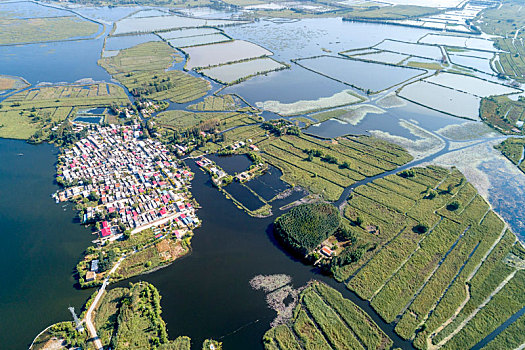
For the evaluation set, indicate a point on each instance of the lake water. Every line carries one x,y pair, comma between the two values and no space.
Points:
205,294
40,245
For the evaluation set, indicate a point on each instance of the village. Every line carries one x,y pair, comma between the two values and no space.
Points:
123,182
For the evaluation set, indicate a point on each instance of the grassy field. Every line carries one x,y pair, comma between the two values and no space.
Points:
342,162
505,21
390,12
323,319
216,103
183,120
502,114
36,110
142,69
433,236
34,30
11,83
512,148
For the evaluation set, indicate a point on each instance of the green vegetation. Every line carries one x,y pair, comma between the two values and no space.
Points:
512,148
304,227
326,168
425,65
503,114
142,70
34,30
396,12
33,113
144,253
323,319
57,334
418,278
209,344
205,121
504,22
129,318
511,338
216,103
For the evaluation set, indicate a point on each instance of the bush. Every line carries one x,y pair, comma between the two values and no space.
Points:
420,228
453,206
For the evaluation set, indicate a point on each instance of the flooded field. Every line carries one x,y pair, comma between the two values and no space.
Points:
287,40
217,54
28,9
184,33
481,64
459,41
231,73
198,40
381,56
362,75
115,43
442,99
151,24
282,86
470,85
425,51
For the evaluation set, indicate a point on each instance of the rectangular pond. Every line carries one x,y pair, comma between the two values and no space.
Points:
360,74
198,40
244,195
425,51
442,99
470,85
125,42
230,73
286,86
184,33
383,57
269,184
152,24
459,41
217,54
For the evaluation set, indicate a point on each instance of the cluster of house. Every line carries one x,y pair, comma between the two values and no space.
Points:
135,181
149,107
216,172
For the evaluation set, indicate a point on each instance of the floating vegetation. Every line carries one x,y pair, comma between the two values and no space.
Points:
424,146
279,289
342,98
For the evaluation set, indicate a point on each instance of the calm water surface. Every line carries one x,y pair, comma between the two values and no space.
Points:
39,245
